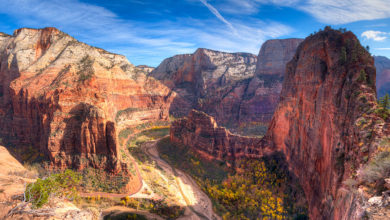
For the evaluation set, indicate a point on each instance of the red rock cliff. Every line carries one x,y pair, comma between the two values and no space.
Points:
68,99
235,88
324,95
328,91
200,132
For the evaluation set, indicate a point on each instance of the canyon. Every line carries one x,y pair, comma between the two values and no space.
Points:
314,99
316,125
66,101
235,88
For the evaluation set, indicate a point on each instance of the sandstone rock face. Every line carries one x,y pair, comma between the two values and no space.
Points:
209,80
324,123
315,124
274,55
67,98
262,93
145,68
382,65
200,132
234,88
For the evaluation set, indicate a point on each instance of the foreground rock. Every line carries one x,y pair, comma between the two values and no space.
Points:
67,99
324,124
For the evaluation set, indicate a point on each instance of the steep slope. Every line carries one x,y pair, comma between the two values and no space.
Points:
201,132
262,94
235,88
326,124
208,80
382,65
67,99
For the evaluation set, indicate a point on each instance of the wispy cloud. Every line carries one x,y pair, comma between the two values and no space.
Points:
382,48
218,15
341,12
375,35
142,42
326,11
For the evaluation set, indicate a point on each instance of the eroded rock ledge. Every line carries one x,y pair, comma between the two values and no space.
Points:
329,87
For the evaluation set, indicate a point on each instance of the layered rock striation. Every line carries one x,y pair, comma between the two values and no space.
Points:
69,99
235,88
209,80
201,132
325,123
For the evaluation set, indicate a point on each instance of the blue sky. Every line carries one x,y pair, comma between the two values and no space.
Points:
148,31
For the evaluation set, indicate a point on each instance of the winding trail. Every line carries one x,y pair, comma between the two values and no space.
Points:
198,203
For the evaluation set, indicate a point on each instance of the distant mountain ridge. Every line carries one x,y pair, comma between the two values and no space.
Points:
382,65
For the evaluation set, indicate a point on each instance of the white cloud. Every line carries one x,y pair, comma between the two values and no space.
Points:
218,15
375,35
142,42
341,12
383,48
326,11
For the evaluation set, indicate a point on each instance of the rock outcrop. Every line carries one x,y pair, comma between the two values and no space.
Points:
327,89
262,93
68,100
382,65
235,88
200,132
325,123
145,68
208,80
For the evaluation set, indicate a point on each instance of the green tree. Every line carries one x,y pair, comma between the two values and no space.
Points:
59,185
384,107
362,76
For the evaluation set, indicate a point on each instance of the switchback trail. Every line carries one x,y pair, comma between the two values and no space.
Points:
198,203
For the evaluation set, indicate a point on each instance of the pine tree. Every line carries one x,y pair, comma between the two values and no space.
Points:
384,102
384,106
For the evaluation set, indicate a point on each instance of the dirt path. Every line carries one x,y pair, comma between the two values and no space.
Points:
118,195
198,203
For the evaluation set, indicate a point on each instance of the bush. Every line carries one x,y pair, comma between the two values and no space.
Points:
384,107
59,185
376,171
362,76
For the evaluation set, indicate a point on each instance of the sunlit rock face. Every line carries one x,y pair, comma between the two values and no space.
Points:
315,123
328,89
66,98
234,88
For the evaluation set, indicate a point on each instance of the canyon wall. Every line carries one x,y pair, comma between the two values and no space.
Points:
382,65
234,88
201,132
68,100
328,92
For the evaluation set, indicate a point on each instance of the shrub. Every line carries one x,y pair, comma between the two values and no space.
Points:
384,107
85,69
362,76
377,170
59,185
